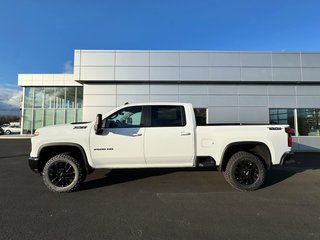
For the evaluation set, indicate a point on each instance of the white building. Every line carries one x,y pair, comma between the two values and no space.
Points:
245,87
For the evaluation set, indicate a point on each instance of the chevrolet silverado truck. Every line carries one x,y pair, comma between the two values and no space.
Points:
157,135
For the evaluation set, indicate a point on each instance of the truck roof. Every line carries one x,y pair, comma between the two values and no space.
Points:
155,103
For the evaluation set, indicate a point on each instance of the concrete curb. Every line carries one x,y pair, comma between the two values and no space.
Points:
15,136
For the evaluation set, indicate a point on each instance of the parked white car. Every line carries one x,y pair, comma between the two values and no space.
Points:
157,135
11,129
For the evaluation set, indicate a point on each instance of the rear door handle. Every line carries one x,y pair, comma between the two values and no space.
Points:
185,133
136,134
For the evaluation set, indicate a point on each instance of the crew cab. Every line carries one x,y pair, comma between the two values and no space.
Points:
157,135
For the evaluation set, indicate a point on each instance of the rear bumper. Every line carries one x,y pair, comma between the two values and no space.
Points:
34,164
287,158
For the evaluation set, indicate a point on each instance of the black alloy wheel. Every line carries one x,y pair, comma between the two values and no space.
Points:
245,171
61,174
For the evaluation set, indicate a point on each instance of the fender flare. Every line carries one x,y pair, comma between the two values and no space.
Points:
268,161
63,144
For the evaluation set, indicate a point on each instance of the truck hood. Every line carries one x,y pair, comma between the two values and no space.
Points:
74,133
65,131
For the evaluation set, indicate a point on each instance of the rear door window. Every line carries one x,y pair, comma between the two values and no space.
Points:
167,116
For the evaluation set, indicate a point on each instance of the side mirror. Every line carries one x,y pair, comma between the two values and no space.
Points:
98,124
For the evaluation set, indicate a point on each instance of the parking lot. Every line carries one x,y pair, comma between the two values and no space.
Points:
158,203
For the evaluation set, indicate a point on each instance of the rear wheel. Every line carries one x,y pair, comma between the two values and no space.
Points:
62,173
245,171
8,132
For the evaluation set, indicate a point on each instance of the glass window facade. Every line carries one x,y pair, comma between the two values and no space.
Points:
309,121
282,116
305,120
44,106
49,98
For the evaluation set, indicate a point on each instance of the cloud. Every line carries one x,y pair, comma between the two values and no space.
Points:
10,100
68,67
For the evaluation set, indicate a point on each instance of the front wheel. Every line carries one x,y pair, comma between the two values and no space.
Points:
62,173
245,171
8,132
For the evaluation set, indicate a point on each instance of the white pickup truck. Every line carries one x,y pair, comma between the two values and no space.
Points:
157,135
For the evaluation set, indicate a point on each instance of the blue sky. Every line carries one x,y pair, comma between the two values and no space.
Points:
40,36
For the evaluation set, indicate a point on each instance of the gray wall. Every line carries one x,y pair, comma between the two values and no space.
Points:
234,86
190,66
225,103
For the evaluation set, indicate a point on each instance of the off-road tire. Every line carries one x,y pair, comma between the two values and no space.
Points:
245,171
69,177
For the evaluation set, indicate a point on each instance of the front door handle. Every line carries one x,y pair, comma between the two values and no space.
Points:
136,134
185,133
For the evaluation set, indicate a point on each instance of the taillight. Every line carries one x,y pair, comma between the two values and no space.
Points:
289,132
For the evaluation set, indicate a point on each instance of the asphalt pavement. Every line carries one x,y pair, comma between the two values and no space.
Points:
158,203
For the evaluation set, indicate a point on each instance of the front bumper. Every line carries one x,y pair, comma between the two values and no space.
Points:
287,158
34,164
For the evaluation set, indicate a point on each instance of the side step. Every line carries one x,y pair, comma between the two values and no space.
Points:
205,161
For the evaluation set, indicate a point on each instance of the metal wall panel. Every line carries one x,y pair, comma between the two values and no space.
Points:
132,58
133,89
193,89
42,80
196,100
308,144
99,89
196,66
308,101
97,58
164,59
122,99
76,58
27,77
56,77
58,80
287,74
99,100
223,101
164,89
282,101
223,114
286,60
164,98
97,73
164,73
253,115
256,59
284,90
226,74
254,101
132,73
76,72
256,74
310,59
311,74
253,90
194,73
223,89
193,59
224,59
308,90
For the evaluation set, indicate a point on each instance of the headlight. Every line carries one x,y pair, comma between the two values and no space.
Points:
36,133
